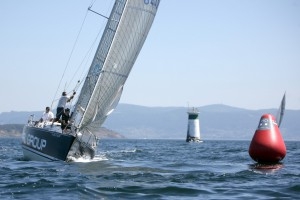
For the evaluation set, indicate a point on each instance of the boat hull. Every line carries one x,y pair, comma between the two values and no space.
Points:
45,145
80,149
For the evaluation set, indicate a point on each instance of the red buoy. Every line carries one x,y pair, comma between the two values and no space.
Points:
267,145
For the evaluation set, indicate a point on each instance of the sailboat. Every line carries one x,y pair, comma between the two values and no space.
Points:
123,37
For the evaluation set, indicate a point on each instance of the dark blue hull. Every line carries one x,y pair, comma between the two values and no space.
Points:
45,145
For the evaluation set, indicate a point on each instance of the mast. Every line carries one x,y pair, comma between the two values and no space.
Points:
121,42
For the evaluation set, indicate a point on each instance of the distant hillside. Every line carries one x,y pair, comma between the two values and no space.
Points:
15,130
216,122
107,133
11,130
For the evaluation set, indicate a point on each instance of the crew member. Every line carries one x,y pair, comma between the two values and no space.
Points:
65,119
64,99
47,116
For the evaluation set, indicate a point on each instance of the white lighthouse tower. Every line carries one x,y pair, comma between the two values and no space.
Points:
193,132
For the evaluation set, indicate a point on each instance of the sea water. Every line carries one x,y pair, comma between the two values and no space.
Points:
151,169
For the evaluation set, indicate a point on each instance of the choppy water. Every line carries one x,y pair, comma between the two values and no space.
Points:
151,169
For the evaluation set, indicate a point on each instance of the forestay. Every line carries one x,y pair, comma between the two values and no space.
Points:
122,40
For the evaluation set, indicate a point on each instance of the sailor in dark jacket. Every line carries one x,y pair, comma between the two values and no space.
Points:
65,119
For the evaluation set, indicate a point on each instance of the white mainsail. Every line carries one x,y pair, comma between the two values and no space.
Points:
122,40
280,111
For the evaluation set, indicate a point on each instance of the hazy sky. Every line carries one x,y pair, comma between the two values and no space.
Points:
242,53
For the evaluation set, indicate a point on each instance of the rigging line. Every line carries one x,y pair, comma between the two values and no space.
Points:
86,57
77,86
70,56
88,54
97,13
92,3
65,88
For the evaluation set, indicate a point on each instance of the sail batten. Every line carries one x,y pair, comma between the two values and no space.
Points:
122,40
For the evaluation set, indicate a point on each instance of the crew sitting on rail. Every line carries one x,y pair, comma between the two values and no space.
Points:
47,116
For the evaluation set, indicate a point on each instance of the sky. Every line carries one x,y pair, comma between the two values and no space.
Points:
243,54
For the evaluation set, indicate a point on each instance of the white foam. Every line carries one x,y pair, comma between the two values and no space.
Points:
97,158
